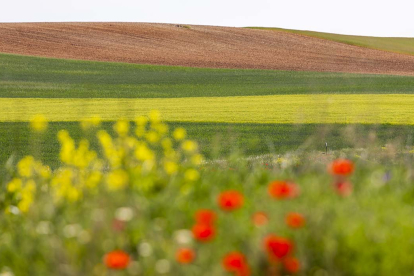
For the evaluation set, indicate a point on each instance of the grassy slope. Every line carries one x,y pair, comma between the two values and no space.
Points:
392,44
32,77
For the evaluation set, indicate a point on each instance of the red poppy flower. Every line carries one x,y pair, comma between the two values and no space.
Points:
283,189
236,262
260,219
203,232
277,247
295,220
205,216
185,255
117,259
342,167
230,200
343,188
291,264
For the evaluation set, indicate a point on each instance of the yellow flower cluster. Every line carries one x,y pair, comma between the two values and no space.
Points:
141,156
38,123
22,187
80,157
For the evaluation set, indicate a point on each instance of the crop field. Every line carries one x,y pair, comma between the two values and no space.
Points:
277,109
32,77
197,46
268,111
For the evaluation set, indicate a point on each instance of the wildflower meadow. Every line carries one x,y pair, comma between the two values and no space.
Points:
145,201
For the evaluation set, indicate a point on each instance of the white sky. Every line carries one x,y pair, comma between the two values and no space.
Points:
359,17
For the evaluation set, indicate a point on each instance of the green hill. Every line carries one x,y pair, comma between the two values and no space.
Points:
392,44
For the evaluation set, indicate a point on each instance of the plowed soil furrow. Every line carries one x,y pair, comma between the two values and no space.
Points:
199,46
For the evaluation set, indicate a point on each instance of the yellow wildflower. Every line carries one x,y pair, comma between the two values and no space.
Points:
152,137
30,186
189,146
140,131
14,185
179,133
44,171
191,175
170,167
67,147
24,205
82,157
143,153
130,142
121,127
104,138
170,154
117,179
38,123
25,166
197,159
155,116
89,123
160,128
141,121
26,197
166,143
93,179
73,194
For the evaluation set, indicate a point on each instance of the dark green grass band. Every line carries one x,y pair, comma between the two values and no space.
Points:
32,77
218,139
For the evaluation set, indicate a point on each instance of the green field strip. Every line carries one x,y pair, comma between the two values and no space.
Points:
216,139
403,45
276,109
33,77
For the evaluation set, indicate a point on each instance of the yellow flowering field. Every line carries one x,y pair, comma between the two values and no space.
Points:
316,108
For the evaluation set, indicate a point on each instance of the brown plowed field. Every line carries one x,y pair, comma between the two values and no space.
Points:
198,46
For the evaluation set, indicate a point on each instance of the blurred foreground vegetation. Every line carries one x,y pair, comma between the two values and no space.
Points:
136,189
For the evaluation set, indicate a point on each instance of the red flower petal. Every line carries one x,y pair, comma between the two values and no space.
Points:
203,232
291,265
185,255
295,220
230,200
205,216
341,167
283,189
236,262
277,247
117,259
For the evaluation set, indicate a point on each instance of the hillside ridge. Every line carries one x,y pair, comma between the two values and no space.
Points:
197,46
401,45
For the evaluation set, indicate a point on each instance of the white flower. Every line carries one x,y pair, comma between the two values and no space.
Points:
183,236
145,249
124,214
162,266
